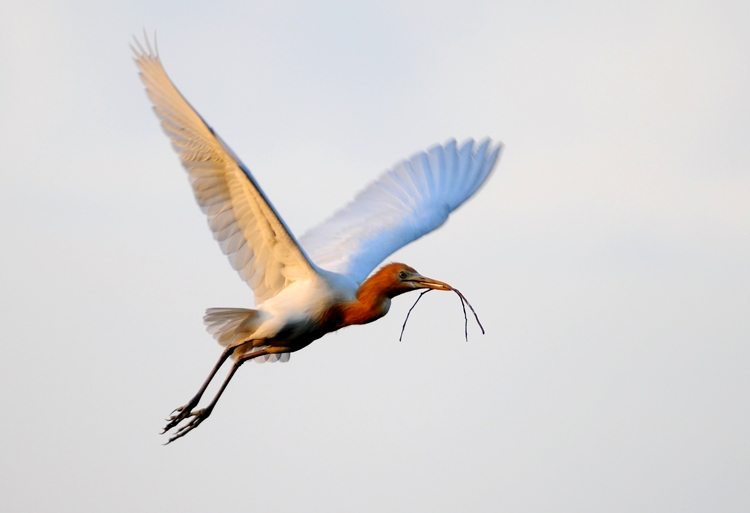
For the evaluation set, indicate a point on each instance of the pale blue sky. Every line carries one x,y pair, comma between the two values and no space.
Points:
607,257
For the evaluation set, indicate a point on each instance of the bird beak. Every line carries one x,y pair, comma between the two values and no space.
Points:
427,283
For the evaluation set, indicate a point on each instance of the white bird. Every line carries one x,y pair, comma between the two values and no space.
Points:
320,284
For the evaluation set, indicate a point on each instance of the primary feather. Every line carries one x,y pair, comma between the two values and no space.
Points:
405,203
259,245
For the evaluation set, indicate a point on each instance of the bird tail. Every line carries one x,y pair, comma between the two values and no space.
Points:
231,326
236,327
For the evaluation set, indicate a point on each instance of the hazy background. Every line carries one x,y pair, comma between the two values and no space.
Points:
607,257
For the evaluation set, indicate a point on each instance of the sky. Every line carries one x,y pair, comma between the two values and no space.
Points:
607,258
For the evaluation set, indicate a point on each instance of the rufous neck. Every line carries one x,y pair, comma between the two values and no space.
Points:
372,303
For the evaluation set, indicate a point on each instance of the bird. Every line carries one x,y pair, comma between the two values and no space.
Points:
308,287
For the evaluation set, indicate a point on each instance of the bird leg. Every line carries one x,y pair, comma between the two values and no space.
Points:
183,412
198,416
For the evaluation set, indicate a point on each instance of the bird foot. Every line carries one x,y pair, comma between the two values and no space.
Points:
184,413
179,414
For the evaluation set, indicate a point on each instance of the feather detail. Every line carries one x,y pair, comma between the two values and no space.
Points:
407,202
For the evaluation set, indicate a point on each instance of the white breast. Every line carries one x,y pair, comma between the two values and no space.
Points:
300,305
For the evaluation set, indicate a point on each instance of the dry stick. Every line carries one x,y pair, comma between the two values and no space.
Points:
409,313
464,300
466,319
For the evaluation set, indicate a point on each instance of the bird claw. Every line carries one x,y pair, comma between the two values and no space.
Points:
196,417
178,415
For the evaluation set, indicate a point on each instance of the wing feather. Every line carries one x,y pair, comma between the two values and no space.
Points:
259,245
407,202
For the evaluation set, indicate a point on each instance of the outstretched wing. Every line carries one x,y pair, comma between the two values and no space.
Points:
409,201
259,245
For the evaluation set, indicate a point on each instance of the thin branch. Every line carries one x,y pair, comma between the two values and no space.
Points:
466,319
409,313
464,300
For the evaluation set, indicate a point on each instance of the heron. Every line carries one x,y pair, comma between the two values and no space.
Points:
305,288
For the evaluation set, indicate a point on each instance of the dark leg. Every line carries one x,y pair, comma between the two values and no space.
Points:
183,412
199,416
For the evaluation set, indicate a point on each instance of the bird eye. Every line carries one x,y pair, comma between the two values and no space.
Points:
402,275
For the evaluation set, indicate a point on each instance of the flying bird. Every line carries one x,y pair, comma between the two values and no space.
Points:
305,288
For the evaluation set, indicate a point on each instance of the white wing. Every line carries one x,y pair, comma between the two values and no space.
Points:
259,245
409,201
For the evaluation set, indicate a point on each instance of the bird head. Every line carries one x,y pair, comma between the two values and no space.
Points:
398,278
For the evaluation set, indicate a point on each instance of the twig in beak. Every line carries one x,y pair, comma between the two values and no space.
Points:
464,300
409,313
466,319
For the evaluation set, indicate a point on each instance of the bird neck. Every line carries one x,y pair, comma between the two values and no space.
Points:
372,302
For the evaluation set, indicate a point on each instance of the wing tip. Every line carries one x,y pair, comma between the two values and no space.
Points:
145,50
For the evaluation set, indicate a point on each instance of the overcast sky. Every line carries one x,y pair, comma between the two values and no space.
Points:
607,258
